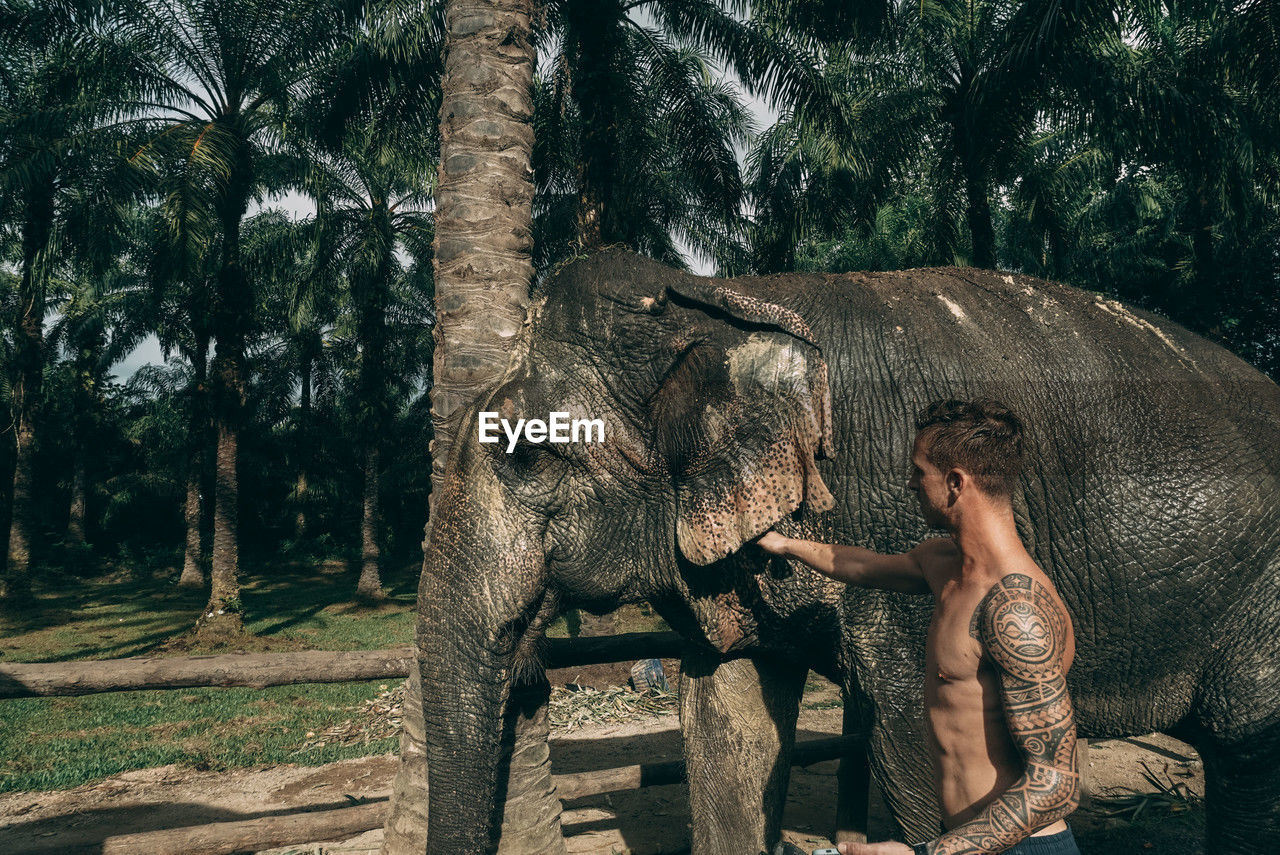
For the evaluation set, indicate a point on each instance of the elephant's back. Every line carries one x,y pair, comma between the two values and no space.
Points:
1152,486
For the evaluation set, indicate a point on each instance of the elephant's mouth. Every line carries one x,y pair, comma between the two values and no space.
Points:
523,637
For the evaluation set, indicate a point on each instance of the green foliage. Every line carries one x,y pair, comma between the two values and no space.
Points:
1134,157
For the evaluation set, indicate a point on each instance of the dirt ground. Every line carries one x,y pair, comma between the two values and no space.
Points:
651,821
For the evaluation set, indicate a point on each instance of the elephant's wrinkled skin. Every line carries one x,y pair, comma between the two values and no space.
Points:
1152,498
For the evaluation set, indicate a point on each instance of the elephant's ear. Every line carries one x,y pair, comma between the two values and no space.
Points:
740,417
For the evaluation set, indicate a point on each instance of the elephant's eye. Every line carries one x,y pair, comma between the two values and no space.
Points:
529,459
527,455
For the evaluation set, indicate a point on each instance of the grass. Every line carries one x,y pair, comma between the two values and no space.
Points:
58,743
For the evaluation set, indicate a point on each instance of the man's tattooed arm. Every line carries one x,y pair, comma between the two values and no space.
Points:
1024,632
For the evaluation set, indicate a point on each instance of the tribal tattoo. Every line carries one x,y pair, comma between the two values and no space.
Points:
1024,632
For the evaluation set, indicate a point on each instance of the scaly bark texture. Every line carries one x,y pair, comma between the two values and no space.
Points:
484,206
483,268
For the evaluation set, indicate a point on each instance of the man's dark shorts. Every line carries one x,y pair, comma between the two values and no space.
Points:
1062,843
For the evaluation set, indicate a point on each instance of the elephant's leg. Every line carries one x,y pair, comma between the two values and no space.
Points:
1238,720
1242,796
530,820
530,823
903,770
738,719
853,785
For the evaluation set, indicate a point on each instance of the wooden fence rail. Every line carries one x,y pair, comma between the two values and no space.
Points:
259,670
224,838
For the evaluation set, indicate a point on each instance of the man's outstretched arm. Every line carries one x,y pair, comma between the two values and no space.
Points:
855,565
1024,632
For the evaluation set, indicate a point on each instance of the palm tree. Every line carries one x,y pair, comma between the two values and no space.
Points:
60,67
220,79
102,320
667,165
635,141
944,101
181,269
483,270
1186,75
372,191
310,309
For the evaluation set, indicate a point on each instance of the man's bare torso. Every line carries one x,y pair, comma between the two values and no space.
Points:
974,757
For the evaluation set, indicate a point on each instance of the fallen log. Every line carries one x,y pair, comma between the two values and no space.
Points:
250,835
259,670
224,838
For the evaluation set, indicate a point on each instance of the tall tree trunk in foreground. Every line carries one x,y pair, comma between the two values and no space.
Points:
483,267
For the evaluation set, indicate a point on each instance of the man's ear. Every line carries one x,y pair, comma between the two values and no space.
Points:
740,418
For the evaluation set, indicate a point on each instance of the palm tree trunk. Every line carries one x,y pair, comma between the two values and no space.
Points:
372,296
193,559
596,91
978,211
304,447
1206,298
483,267
85,402
370,585
222,617
193,552
79,478
76,514
29,347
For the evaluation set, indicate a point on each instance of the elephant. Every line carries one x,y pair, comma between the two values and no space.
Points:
1151,497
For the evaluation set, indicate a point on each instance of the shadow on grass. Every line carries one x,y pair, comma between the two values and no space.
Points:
144,612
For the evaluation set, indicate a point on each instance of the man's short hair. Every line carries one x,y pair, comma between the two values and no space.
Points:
982,436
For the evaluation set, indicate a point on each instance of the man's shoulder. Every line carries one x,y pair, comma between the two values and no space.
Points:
1022,618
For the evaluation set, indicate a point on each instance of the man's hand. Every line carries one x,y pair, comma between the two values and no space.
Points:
888,847
772,542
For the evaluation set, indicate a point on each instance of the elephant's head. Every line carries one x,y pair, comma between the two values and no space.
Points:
715,405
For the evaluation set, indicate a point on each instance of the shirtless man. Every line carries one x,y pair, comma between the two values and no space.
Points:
1000,724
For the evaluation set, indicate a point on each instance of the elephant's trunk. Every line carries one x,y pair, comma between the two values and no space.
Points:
464,694
467,649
